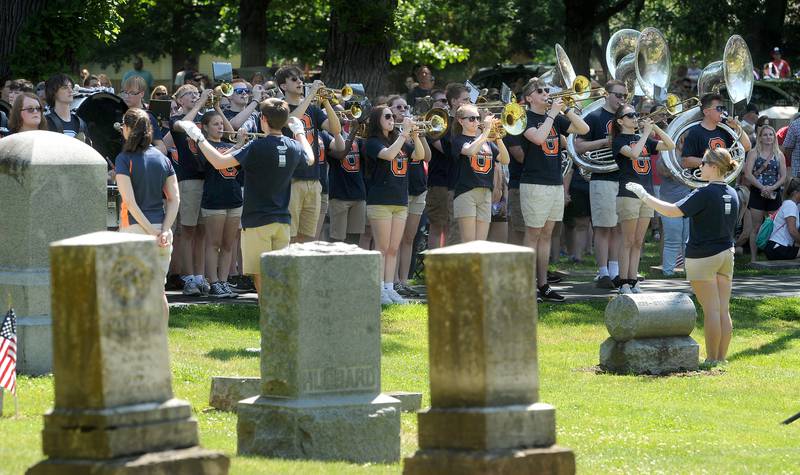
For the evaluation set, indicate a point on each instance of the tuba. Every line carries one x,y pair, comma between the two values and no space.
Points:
642,62
735,73
562,75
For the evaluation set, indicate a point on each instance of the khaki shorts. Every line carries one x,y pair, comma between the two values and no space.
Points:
416,204
603,203
515,218
387,212
632,208
347,217
475,203
191,192
228,213
708,268
304,206
541,203
256,241
164,253
439,205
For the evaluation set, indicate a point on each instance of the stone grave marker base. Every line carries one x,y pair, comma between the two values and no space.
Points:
553,460
358,429
189,461
656,356
227,391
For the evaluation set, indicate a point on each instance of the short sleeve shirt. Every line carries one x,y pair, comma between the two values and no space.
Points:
543,162
599,123
312,121
221,188
713,210
188,166
633,171
389,183
346,176
780,231
148,171
476,171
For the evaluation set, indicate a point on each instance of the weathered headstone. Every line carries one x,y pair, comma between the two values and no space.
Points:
320,360
650,334
485,416
51,187
114,407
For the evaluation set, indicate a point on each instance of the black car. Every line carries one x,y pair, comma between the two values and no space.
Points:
513,75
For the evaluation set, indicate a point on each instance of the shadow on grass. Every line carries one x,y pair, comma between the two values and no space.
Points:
389,347
225,354
767,314
242,317
779,344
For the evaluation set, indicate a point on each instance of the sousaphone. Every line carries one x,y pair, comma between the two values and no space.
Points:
735,73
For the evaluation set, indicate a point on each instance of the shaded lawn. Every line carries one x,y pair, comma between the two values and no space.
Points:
723,421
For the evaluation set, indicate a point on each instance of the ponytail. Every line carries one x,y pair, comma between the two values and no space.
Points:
141,131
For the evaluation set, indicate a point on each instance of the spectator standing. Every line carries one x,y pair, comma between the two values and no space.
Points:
778,68
424,84
138,71
790,149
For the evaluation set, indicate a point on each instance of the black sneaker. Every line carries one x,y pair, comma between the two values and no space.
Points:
605,282
617,282
553,278
174,282
549,294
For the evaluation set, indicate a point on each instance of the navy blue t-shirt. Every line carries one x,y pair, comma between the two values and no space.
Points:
312,120
514,167
439,166
148,172
637,171
389,183
268,164
599,123
326,140
713,210
188,166
347,176
156,126
699,139
452,171
543,162
417,181
251,124
476,171
221,188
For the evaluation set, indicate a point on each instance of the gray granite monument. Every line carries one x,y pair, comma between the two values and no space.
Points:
320,360
51,187
650,334
485,414
115,412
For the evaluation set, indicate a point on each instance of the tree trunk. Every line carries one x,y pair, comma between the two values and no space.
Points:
581,17
253,27
766,31
15,12
358,44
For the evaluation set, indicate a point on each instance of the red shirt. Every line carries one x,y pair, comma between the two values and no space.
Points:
777,69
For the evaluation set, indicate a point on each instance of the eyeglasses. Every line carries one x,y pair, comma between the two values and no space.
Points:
631,115
402,107
472,118
129,93
388,116
190,93
542,90
241,90
619,95
295,79
32,110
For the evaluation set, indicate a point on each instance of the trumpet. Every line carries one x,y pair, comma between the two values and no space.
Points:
224,89
511,118
334,96
433,123
672,107
354,112
581,90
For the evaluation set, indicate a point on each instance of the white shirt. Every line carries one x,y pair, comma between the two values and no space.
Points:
780,233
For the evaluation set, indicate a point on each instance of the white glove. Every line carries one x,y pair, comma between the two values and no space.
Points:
296,126
636,189
190,129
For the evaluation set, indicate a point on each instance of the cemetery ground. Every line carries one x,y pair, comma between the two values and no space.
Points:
726,420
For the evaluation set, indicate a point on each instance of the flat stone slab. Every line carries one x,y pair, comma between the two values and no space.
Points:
358,429
191,461
488,428
409,402
781,264
227,391
660,269
656,356
553,460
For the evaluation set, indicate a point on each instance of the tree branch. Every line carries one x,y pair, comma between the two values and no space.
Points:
606,13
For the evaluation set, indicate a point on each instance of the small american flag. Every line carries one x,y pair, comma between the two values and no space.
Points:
8,352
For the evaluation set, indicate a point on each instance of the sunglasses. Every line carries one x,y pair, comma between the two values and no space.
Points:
402,107
472,118
31,110
703,162
631,115
241,90
542,90
441,99
190,93
160,94
388,116
719,108
619,95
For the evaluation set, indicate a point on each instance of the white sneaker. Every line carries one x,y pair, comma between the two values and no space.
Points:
625,289
204,286
231,293
190,288
385,299
636,289
396,298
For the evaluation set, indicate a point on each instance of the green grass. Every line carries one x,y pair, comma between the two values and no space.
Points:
723,421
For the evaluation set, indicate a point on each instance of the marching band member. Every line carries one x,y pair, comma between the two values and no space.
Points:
475,153
542,191
604,187
58,93
306,189
632,153
347,191
133,90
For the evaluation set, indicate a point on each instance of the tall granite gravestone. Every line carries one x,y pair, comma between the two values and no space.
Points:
51,187
485,415
320,360
114,408
650,334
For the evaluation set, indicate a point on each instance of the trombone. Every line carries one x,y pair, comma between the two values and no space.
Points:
581,90
510,120
673,107
433,124
354,112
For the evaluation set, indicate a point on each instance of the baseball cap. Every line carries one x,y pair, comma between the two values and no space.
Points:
776,50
